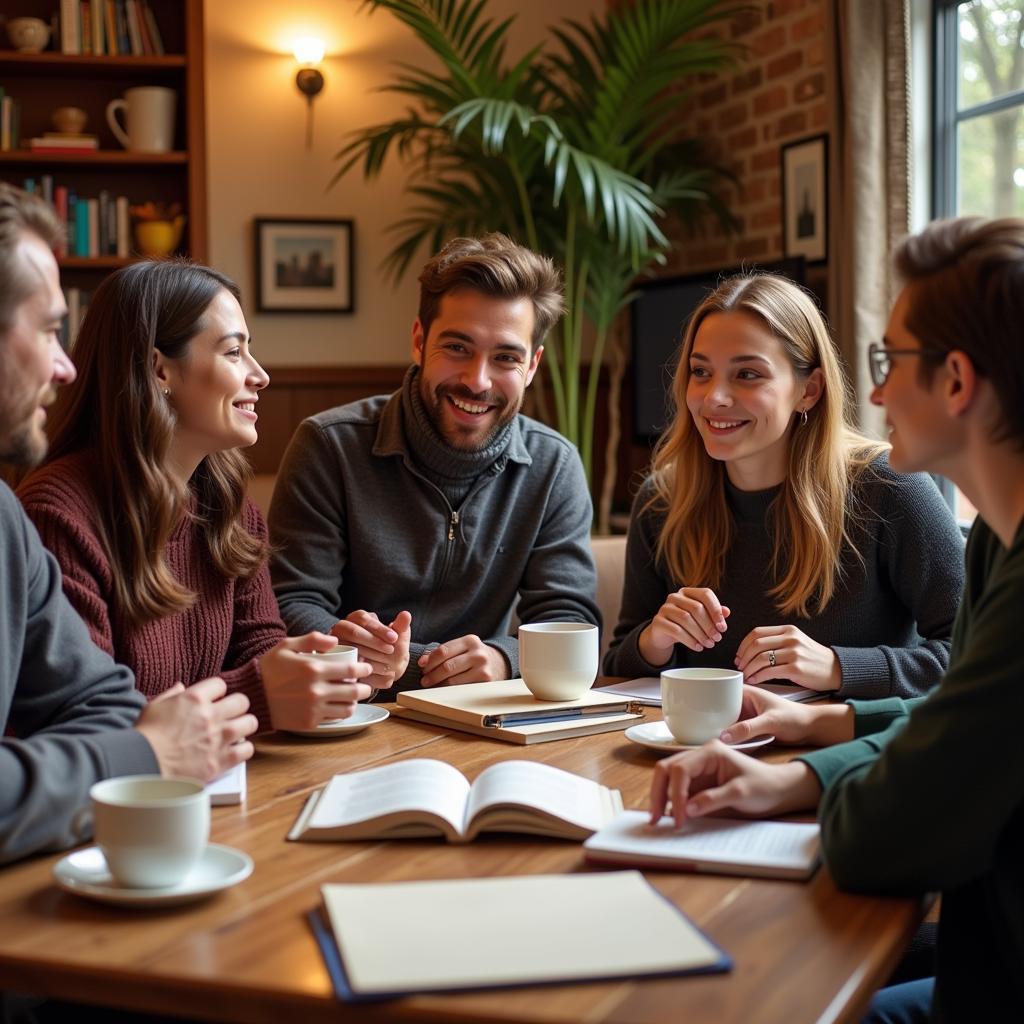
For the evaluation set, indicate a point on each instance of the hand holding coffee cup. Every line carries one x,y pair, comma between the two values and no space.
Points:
698,703
152,830
558,660
311,679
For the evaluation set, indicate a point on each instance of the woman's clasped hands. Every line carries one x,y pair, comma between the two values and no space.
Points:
694,617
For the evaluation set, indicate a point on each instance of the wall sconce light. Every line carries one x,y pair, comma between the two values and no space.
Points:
309,52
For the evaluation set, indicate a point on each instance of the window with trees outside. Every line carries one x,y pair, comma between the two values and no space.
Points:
979,130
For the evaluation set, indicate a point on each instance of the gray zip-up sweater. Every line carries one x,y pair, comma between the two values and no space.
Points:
67,703
355,524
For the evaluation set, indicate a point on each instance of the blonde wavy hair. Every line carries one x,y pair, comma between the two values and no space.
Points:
810,516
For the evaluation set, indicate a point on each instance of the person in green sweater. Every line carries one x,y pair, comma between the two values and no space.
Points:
926,794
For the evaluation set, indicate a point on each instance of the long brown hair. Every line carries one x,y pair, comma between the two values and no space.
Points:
810,514
117,411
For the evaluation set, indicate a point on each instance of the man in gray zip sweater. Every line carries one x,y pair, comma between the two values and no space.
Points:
410,525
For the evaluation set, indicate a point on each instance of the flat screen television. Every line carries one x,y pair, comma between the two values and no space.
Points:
659,316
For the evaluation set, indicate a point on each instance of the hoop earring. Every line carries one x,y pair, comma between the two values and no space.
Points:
803,418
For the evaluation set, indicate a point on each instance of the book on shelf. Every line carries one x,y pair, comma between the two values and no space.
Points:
423,798
134,29
390,940
762,849
110,27
70,29
77,302
506,710
10,117
64,142
156,40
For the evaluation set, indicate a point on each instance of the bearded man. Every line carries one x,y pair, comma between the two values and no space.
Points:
411,525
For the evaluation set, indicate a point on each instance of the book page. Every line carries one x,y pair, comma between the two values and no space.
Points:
768,844
568,797
432,936
416,785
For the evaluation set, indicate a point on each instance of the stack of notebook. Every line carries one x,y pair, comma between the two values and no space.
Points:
506,710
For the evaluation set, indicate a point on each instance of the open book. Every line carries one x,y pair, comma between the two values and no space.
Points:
766,849
420,797
395,939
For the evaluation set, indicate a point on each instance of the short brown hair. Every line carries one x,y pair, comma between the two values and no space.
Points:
21,212
965,292
497,267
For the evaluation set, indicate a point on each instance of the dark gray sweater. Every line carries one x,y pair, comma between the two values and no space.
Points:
889,621
66,703
356,523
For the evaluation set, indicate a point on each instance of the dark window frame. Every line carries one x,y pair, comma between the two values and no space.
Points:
946,121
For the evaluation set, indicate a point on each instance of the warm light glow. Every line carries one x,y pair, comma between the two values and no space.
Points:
308,50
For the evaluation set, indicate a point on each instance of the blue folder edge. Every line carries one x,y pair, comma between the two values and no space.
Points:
339,979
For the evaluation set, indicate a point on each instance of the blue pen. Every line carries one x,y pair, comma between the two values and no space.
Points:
493,721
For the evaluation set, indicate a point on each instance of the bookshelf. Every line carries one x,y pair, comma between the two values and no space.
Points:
41,82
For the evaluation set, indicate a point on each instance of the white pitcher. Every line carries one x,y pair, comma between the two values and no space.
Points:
149,116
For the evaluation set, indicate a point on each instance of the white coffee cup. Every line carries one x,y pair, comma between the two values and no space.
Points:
698,703
558,660
149,117
340,655
152,830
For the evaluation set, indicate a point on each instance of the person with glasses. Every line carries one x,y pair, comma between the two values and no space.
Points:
770,535
927,795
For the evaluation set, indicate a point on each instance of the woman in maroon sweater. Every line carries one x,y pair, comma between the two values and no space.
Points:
142,499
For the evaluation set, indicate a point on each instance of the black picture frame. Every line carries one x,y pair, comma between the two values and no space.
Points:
804,192
304,264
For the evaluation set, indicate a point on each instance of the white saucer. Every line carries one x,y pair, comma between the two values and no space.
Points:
85,873
655,736
365,715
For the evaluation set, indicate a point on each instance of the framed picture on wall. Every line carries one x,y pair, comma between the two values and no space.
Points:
805,198
304,265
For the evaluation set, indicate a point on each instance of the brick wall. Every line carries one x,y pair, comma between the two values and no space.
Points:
775,95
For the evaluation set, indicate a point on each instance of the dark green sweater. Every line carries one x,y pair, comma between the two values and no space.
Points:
931,796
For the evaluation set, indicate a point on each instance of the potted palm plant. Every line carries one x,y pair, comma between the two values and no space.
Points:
574,148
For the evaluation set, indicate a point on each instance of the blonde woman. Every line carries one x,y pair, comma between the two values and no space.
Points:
770,535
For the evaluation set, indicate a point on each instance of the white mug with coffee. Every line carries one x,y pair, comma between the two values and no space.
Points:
152,830
558,660
149,119
698,703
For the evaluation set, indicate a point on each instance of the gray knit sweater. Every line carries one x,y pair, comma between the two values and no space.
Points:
356,523
65,706
889,621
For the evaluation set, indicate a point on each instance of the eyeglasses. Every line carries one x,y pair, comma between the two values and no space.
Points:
880,361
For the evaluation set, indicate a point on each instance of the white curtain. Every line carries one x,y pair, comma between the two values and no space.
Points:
869,175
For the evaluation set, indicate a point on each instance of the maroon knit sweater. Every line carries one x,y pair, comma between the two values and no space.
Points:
232,623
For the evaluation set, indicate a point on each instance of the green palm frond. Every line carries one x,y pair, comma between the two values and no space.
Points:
575,148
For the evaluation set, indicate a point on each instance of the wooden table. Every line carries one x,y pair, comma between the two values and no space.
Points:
803,951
